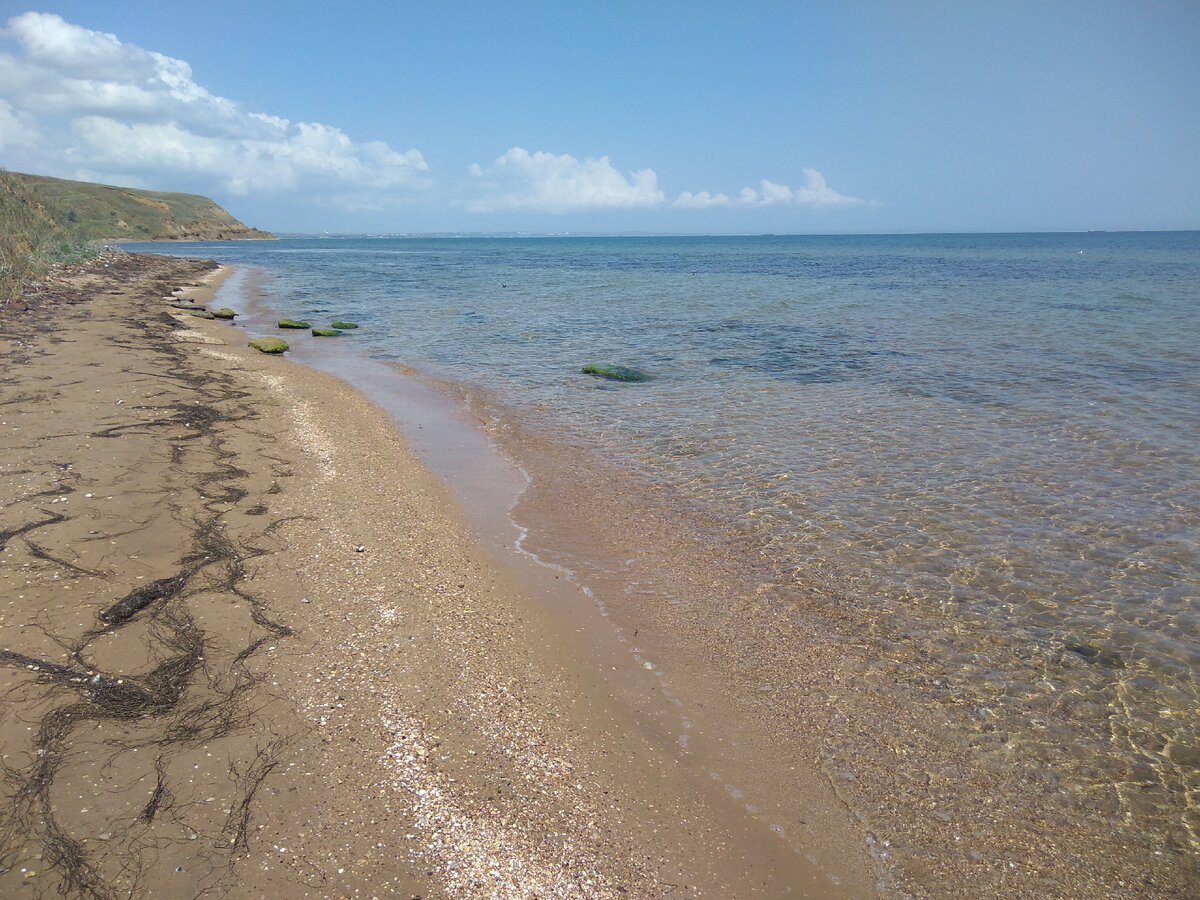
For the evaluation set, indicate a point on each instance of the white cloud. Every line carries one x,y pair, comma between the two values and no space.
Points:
78,100
83,104
560,183
16,129
815,194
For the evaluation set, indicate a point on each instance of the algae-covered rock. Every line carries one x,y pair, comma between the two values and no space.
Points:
616,373
203,314
223,313
293,323
269,344
1100,656
325,332
344,326
189,305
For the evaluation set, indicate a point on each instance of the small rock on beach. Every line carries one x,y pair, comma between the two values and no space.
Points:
269,345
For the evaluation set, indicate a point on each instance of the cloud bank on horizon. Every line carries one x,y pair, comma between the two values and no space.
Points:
83,104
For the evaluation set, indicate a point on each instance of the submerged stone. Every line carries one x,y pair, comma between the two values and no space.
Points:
325,332
223,313
344,326
269,344
293,323
616,373
1101,656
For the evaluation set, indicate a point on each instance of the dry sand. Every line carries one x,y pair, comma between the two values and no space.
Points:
251,649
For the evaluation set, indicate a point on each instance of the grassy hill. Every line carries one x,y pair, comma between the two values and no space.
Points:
100,212
48,220
30,238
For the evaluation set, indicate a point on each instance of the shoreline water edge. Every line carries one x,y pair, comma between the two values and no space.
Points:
254,646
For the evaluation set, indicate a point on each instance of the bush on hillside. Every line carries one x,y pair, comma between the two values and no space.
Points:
30,239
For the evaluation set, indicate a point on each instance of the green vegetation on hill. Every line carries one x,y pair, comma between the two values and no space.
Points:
30,237
100,212
48,220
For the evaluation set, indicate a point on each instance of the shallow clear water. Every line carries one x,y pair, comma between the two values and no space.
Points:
1005,426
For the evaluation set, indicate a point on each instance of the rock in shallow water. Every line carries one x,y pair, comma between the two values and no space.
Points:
616,373
325,332
223,313
293,323
1101,656
344,326
269,344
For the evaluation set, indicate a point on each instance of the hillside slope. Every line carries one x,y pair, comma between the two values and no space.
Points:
100,212
30,238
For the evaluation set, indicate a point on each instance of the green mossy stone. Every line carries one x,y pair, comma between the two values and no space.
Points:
189,305
344,326
325,332
203,314
616,373
269,344
223,313
293,323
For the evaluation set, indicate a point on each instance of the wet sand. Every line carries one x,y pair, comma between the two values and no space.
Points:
251,648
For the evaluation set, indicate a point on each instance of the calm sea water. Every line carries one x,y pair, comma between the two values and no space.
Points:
1005,425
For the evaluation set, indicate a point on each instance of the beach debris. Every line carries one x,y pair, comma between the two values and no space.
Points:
269,345
293,323
139,598
1101,656
325,332
344,326
223,313
615,373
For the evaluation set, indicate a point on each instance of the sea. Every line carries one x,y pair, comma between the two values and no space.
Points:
984,446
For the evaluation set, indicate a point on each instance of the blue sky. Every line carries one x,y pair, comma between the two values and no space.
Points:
652,116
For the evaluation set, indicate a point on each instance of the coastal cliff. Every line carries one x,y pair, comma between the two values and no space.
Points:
100,212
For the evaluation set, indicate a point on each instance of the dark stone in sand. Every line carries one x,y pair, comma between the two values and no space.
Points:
616,373
293,323
325,332
1101,656
344,326
269,344
223,313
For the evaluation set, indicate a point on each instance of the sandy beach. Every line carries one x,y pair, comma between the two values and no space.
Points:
251,649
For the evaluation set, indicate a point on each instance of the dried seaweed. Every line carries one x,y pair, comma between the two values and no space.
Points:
139,598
